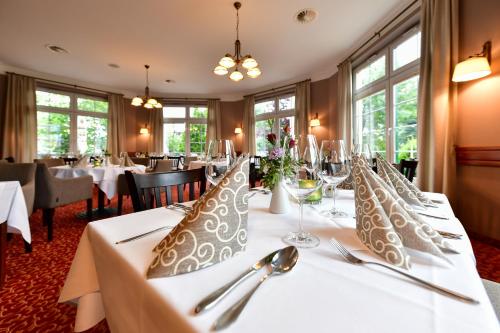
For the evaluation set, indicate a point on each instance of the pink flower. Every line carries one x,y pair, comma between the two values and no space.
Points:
291,143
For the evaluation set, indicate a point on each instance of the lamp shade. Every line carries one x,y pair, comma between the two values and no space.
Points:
315,122
249,63
236,76
148,106
144,130
237,130
227,62
254,72
471,69
137,101
220,70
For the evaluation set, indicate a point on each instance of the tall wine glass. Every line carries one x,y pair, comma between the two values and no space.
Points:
335,168
220,157
302,181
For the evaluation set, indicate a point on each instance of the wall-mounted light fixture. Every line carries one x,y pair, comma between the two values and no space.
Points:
237,130
315,121
144,130
475,67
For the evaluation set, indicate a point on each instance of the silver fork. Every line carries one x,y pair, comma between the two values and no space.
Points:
355,260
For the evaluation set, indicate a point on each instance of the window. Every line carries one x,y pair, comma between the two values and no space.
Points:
385,99
271,115
70,123
184,129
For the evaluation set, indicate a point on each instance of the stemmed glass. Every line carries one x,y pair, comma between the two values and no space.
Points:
220,157
300,183
335,168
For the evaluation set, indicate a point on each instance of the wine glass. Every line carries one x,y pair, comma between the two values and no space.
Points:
300,181
220,157
335,168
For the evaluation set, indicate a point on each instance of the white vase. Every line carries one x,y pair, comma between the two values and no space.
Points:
279,200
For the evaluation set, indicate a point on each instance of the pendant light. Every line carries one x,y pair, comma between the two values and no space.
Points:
150,102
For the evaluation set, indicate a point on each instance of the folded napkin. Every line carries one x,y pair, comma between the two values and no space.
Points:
115,160
214,231
126,161
82,162
386,224
406,189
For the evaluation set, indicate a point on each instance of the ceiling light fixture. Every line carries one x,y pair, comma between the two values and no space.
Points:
475,67
150,102
306,15
230,61
56,49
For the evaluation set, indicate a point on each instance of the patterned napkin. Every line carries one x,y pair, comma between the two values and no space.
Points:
115,160
214,231
127,162
386,224
406,189
82,162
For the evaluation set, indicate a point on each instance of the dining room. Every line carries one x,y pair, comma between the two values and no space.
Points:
243,166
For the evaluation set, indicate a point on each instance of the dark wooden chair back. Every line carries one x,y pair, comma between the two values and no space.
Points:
70,160
153,160
146,189
178,160
255,173
408,168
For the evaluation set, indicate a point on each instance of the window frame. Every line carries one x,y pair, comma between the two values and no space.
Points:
73,113
276,114
187,120
386,83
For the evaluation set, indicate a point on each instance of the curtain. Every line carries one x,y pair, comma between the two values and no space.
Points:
344,95
302,107
155,142
249,124
214,120
19,124
116,124
437,96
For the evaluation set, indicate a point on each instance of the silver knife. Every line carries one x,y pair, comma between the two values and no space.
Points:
142,235
212,299
434,216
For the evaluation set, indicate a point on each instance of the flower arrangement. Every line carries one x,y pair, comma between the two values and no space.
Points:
279,159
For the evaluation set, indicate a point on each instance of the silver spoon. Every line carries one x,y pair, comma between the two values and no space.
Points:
282,262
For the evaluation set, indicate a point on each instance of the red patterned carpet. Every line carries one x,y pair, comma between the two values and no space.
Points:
28,300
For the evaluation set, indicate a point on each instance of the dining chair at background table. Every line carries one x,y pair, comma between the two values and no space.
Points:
52,192
178,161
50,162
188,160
164,166
255,173
24,173
146,189
140,160
408,168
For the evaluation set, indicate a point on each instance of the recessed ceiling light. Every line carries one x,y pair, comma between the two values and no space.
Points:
56,49
114,65
306,15
169,81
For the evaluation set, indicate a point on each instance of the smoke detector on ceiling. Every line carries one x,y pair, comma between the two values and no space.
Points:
306,15
56,49
113,65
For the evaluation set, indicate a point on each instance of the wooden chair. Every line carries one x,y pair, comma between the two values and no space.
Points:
70,160
146,189
408,168
140,160
177,161
255,173
153,160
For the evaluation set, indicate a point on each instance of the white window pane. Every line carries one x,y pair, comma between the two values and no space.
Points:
371,73
53,133
174,138
52,99
174,112
405,118
93,105
370,122
198,112
264,107
287,103
406,52
262,129
197,138
92,134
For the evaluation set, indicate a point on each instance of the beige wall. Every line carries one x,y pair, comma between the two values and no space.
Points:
478,120
232,117
3,94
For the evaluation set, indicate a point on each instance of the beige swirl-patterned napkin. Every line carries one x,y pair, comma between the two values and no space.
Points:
386,224
214,231
406,189
127,162
82,162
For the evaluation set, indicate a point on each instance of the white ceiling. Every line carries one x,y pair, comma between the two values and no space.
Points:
182,40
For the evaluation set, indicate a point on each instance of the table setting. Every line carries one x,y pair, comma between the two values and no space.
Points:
226,262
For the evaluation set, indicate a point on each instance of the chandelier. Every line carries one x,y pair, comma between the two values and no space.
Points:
150,102
230,61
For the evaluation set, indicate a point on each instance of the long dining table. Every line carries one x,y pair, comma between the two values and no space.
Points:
323,293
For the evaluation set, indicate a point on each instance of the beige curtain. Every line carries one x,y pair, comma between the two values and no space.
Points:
19,125
116,124
249,124
155,143
437,100
302,107
344,103
214,120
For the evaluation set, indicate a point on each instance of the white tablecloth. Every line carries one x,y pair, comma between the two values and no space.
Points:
104,177
13,209
201,163
323,293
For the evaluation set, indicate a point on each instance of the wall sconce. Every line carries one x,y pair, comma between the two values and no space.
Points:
475,67
315,121
237,130
144,130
